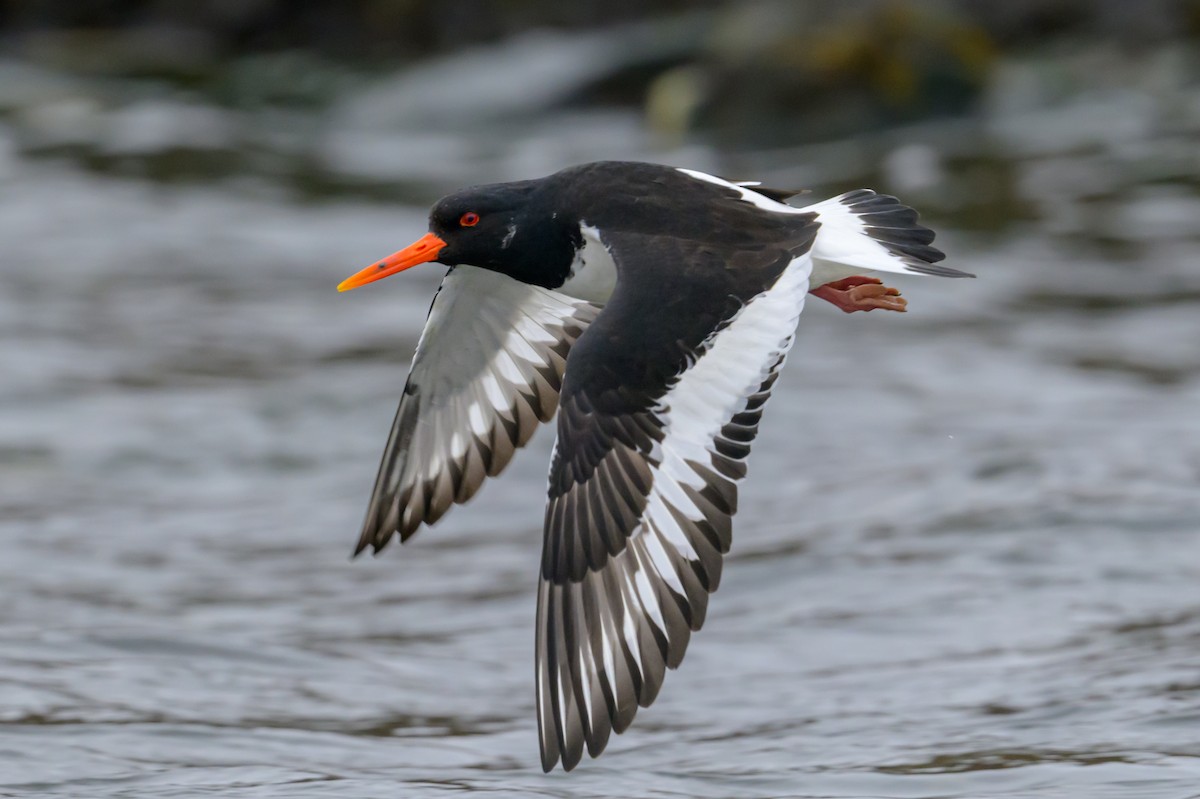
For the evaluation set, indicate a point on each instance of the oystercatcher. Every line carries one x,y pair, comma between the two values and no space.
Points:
653,308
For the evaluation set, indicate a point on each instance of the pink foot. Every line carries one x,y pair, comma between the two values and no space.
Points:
861,294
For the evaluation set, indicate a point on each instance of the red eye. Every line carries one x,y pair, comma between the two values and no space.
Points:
469,219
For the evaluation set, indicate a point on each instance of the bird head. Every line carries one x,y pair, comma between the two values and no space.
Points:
502,227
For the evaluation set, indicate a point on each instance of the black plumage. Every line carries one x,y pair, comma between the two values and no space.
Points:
659,371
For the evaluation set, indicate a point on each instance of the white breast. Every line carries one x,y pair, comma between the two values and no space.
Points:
593,273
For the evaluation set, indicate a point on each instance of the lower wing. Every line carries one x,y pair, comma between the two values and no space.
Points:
487,371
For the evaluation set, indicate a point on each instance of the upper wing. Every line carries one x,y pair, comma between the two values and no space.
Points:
662,399
487,370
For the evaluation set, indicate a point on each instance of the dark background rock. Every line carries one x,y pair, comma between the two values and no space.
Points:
756,73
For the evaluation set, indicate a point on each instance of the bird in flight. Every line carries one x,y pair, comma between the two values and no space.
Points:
652,308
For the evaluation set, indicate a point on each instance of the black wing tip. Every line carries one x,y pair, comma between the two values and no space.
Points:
548,765
936,270
379,534
895,225
549,754
377,540
569,764
365,542
569,760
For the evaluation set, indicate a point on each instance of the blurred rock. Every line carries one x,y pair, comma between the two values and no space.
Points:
674,99
806,72
23,84
8,153
364,31
58,123
162,51
1021,22
531,72
979,112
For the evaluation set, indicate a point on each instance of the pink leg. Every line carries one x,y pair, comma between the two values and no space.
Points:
861,294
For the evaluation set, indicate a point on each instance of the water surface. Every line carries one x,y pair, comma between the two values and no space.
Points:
966,563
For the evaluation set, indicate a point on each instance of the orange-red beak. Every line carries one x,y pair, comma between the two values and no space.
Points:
421,251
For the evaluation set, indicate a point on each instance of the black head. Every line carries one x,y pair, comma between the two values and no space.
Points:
506,227
480,224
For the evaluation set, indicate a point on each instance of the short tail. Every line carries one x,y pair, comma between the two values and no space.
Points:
863,230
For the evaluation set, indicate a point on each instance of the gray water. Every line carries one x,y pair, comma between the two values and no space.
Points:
967,562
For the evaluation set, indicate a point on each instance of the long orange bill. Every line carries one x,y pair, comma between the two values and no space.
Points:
421,251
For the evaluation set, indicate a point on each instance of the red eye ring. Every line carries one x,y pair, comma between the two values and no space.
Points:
469,219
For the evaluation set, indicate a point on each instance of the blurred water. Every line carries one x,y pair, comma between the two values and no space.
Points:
966,563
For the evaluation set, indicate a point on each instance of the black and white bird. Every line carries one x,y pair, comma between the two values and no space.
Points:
652,308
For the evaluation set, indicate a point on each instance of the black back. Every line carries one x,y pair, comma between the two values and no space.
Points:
689,254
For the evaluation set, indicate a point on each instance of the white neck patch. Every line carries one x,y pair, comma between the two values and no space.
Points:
593,273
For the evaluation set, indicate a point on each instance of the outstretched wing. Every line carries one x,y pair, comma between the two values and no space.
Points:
662,400
487,370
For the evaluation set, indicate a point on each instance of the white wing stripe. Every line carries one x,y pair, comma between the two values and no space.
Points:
750,196
735,359
662,522
628,617
644,590
662,562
